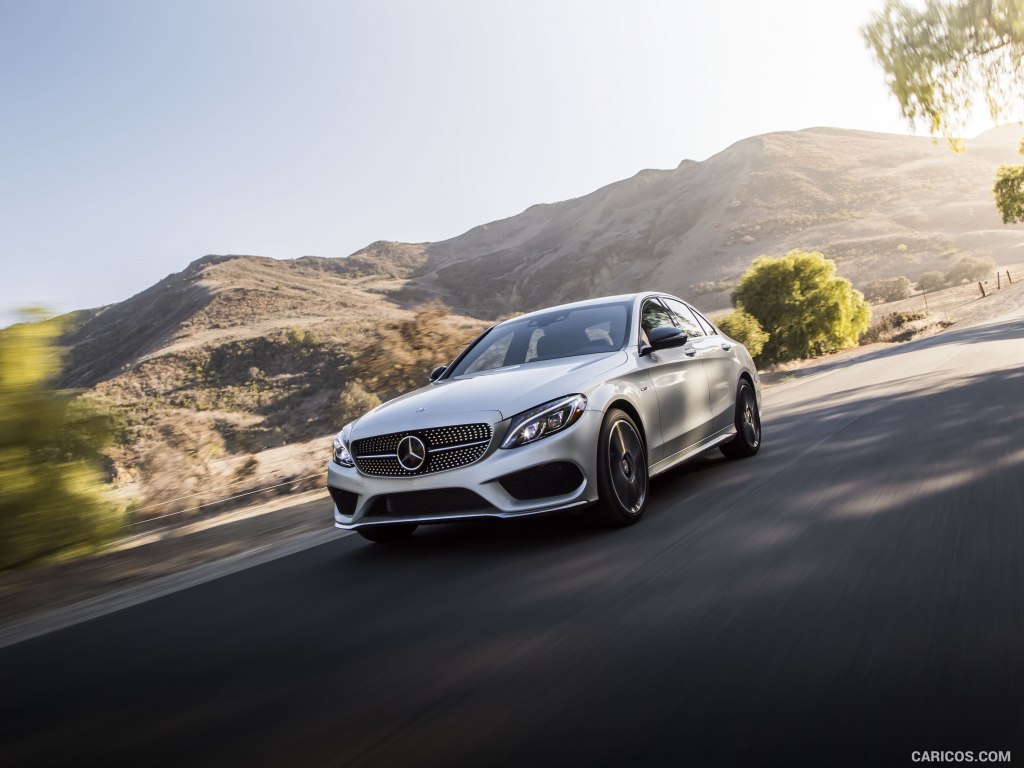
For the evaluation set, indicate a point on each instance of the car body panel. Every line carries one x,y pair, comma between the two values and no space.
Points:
681,386
515,388
683,399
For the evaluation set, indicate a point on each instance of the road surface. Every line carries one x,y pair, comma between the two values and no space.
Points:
852,594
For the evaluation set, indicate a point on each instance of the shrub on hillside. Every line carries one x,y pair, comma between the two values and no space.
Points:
931,281
893,289
400,359
969,269
353,402
891,327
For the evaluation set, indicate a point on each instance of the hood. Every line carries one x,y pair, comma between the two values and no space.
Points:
491,396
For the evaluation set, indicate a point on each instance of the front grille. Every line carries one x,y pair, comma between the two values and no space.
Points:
432,502
447,448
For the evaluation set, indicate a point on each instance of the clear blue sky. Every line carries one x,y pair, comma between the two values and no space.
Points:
138,136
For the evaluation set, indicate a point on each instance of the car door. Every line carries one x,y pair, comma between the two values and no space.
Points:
678,378
720,366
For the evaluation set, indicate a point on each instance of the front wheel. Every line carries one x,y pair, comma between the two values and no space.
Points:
392,532
621,471
748,425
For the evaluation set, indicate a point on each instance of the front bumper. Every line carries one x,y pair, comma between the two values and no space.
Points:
367,500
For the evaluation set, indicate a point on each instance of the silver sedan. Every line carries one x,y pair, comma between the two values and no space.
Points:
572,407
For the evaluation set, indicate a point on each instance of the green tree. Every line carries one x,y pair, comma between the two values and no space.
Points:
51,488
893,289
940,55
804,306
745,329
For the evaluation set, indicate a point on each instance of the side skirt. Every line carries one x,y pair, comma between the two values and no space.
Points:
688,453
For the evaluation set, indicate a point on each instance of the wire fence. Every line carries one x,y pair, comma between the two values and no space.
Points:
950,299
216,502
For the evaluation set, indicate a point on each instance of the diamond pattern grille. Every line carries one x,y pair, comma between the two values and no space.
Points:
447,448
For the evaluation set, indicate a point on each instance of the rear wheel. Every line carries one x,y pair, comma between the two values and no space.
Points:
621,471
748,425
383,533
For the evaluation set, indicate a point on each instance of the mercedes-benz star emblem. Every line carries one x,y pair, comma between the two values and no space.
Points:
412,453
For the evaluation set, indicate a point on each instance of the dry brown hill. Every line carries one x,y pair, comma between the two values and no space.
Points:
859,197
234,357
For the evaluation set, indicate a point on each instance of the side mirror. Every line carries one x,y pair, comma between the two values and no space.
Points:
664,338
437,372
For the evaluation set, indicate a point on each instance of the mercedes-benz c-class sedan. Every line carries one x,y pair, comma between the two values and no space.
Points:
570,408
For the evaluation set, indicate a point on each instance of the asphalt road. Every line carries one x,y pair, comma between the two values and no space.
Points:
853,593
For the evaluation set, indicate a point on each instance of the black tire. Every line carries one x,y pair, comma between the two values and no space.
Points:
622,479
748,425
392,532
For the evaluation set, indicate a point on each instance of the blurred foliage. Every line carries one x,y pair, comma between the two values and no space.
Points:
1009,191
938,56
892,327
932,281
745,329
51,485
247,468
803,305
353,402
966,269
402,356
969,269
893,289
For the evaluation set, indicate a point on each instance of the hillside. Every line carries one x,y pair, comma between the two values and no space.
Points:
228,374
693,230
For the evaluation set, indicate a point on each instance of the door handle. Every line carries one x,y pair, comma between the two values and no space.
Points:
689,352
726,346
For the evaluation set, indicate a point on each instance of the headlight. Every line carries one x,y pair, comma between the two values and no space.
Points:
544,420
341,452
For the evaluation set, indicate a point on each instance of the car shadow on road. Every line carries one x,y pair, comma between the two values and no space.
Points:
542,532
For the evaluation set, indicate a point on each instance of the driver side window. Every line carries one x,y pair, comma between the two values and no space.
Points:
653,315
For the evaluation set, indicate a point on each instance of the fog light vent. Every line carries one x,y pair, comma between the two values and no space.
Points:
555,479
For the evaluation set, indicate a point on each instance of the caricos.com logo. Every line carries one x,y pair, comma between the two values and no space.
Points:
960,756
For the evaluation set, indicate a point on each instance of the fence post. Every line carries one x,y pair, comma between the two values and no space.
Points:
982,287
925,294
1008,278
999,282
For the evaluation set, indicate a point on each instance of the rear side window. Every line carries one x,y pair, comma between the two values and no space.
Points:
709,329
684,318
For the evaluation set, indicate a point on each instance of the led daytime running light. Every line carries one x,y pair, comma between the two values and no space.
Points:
544,420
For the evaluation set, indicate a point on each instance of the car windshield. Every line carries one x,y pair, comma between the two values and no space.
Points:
554,334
